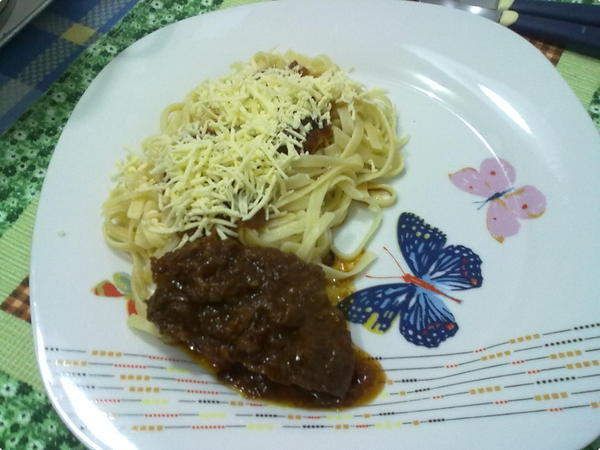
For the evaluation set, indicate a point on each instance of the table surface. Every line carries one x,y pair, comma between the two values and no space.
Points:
43,72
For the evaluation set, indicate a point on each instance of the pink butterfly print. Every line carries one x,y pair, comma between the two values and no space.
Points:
494,182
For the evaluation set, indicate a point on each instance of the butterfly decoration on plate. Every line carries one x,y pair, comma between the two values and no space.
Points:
507,204
420,299
119,287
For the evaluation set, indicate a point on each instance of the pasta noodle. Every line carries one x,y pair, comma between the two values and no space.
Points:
234,150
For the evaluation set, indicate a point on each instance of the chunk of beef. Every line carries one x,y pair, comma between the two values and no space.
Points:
257,307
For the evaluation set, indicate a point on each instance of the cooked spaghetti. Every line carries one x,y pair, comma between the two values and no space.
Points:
284,140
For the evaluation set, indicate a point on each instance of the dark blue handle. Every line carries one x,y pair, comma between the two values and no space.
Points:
570,12
582,38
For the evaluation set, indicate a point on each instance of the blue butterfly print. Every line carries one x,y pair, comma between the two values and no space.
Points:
421,298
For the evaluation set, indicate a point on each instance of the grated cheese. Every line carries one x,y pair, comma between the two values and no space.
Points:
224,152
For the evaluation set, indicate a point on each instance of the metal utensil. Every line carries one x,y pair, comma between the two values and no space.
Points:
570,12
15,14
489,13
5,9
582,38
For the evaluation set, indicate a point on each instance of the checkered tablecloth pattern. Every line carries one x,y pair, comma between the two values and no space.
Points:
17,303
42,51
43,72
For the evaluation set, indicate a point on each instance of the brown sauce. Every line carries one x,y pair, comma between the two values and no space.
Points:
339,289
317,138
256,222
367,382
303,71
262,319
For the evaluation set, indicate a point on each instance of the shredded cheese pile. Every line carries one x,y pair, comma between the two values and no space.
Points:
223,153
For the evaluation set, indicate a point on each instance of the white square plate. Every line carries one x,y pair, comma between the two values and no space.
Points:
523,370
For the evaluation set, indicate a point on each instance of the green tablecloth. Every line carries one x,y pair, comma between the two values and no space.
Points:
42,75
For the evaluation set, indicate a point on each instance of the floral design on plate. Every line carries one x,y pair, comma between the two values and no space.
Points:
119,287
494,181
420,299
